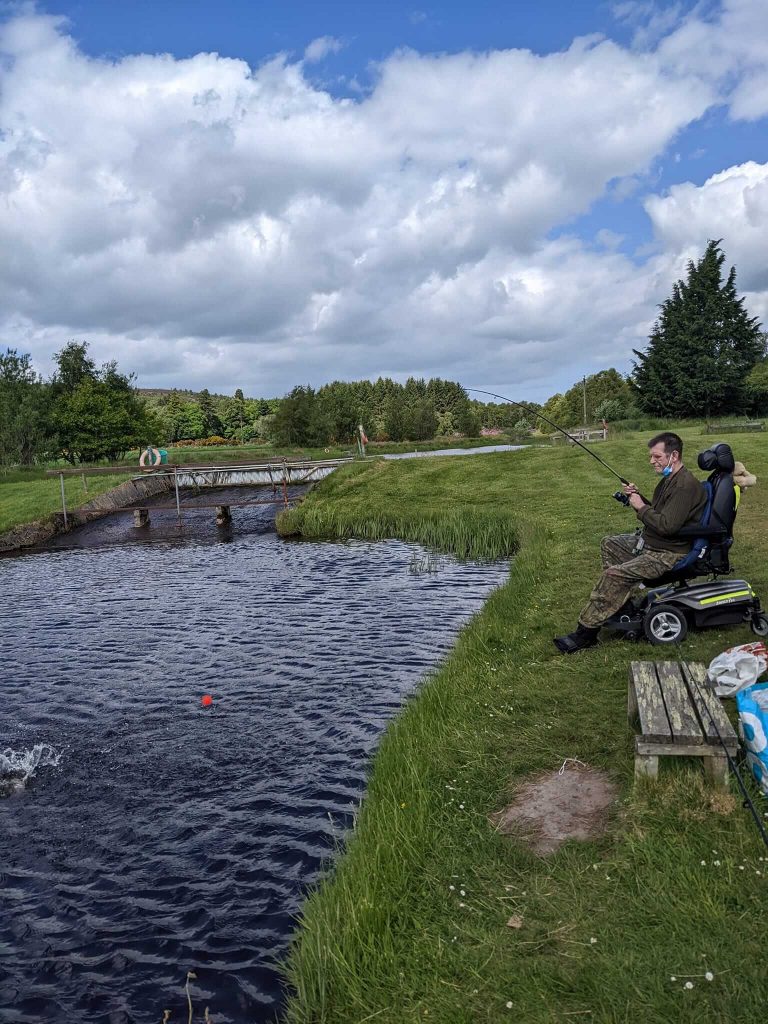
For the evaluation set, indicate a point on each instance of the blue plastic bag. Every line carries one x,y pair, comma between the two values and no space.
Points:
752,705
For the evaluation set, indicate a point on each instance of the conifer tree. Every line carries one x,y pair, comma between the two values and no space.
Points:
701,348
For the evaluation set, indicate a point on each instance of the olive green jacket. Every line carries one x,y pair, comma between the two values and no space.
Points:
678,501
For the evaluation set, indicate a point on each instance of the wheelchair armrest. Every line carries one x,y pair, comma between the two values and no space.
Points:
710,532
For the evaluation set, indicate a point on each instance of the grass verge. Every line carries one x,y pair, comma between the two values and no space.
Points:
411,923
28,495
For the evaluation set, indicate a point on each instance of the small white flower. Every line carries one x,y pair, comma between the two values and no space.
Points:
673,978
592,941
741,867
709,976
461,806
462,893
703,863
689,984
452,888
510,1004
716,863
595,867
461,904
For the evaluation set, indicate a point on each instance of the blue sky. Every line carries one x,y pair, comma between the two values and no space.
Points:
261,195
371,31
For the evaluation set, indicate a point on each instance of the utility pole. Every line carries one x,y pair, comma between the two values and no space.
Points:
584,385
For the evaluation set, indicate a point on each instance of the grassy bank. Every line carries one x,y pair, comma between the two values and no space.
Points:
29,495
412,923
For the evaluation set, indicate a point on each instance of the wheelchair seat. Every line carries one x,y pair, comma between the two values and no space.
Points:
713,535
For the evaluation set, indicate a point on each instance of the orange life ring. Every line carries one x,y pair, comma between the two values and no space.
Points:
152,455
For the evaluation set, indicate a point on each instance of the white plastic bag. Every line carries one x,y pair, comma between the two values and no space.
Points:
737,668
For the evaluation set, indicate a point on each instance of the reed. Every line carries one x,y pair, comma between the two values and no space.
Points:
411,921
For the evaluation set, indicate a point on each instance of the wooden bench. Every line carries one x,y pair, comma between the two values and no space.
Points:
676,708
726,428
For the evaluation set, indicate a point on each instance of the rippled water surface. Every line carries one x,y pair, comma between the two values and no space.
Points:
160,836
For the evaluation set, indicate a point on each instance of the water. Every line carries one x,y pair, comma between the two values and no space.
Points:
459,451
143,835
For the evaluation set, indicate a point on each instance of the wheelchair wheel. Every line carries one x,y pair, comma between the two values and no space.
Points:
665,624
759,624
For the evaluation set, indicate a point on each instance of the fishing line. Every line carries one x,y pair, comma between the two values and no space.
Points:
538,415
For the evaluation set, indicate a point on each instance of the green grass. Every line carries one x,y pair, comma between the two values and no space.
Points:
28,495
385,937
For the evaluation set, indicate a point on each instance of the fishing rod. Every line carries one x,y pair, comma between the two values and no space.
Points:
538,415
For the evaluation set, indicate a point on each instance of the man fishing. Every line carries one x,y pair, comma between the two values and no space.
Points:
630,558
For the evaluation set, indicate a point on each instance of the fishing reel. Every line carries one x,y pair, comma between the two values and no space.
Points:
622,497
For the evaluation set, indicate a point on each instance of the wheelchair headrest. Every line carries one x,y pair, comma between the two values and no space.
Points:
719,456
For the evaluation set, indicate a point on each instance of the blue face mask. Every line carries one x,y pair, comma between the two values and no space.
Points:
667,471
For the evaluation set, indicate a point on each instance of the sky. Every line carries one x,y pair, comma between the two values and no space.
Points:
259,195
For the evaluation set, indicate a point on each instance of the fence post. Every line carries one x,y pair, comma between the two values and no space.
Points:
63,500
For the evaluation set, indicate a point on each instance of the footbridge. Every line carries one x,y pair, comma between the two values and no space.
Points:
156,482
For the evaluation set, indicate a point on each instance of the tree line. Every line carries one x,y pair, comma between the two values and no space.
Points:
706,357
309,417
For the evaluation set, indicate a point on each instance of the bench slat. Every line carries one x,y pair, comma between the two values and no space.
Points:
654,724
703,698
682,717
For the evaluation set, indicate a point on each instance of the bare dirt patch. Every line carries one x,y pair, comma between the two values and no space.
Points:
550,809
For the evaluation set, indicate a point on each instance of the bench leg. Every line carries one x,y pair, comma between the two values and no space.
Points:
716,769
646,765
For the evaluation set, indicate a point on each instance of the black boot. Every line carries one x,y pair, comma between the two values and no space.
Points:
581,638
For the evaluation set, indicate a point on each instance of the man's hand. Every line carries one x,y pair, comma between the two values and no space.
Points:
636,501
630,488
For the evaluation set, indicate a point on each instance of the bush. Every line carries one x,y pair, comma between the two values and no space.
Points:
215,440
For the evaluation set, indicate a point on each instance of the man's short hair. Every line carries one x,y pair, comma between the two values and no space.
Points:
672,442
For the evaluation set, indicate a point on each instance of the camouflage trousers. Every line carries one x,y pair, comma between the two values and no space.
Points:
622,571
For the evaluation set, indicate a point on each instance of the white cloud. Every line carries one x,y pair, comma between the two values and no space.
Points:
209,224
321,47
731,205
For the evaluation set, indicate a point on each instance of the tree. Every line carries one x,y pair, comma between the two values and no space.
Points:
24,420
701,348
605,386
421,421
97,414
73,367
300,419
394,420
211,421
757,388
467,419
